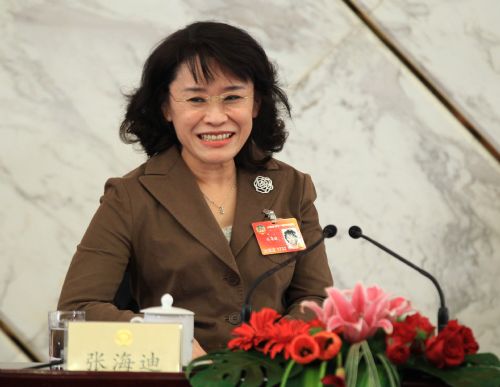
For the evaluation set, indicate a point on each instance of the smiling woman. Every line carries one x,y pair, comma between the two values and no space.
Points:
207,115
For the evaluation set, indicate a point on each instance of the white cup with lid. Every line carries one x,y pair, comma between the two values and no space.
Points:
166,313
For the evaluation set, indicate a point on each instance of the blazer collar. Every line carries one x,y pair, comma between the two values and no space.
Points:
172,183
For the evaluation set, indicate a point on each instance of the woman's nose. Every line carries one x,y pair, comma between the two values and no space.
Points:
215,113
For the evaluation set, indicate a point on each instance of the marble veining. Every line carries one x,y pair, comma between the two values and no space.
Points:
437,35
383,153
10,351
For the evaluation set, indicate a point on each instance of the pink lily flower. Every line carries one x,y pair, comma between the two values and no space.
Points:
358,313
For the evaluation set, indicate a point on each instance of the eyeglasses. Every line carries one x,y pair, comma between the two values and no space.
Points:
230,99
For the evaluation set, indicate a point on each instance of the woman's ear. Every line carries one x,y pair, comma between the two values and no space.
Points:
166,112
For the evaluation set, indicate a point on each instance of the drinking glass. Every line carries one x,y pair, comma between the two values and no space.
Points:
57,327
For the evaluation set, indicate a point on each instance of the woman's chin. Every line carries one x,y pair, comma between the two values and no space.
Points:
213,157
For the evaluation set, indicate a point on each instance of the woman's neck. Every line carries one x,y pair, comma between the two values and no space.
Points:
213,174
217,183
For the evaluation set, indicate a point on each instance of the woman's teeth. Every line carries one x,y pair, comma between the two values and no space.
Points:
215,137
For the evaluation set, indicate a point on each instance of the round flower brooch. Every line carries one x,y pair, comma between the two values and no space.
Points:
263,184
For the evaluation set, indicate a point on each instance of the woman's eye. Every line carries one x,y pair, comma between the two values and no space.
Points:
232,98
197,100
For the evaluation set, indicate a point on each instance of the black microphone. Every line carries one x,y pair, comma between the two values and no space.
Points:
355,233
328,232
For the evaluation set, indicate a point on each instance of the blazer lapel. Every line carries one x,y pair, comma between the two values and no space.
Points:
171,182
250,204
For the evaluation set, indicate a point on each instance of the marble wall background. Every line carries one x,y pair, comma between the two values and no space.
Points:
455,43
384,154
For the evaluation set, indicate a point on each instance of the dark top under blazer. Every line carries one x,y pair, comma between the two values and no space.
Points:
156,219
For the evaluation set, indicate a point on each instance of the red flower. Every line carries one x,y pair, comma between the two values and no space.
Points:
470,343
252,334
398,351
329,344
316,323
245,338
449,347
444,351
453,351
304,349
403,331
262,321
421,324
268,333
281,334
333,380
408,336
399,343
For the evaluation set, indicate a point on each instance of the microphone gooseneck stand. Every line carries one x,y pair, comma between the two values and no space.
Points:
355,233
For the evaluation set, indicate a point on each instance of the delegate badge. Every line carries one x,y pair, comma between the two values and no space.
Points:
278,236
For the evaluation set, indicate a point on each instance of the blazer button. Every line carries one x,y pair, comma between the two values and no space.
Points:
233,318
232,279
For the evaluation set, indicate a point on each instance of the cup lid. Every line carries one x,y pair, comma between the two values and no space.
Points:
166,308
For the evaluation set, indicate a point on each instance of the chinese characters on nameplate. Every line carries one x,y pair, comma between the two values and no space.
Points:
123,347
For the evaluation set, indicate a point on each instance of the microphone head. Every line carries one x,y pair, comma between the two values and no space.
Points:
355,232
330,231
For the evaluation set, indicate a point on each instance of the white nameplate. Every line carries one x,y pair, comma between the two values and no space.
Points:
123,347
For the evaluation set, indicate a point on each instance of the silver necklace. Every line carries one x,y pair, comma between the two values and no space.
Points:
220,208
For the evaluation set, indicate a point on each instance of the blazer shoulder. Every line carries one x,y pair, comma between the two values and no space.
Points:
156,165
287,169
135,173
128,180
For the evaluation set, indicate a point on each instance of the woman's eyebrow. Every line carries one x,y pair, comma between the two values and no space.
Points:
234,87
194,88
198,89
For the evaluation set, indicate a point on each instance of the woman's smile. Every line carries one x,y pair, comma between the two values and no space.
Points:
216,139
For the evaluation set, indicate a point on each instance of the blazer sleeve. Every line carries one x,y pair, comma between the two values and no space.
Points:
99,263
312,272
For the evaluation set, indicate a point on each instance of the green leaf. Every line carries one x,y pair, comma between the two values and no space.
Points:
314,330
483,359
322,372
463,376
310,376
352,364
286,375
377,342
240,368
390,370
370,365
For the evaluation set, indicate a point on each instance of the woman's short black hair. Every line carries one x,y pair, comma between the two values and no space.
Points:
201,45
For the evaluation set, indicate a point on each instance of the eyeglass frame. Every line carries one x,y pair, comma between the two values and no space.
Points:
207,99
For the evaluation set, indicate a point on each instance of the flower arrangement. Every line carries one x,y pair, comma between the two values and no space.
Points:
360,337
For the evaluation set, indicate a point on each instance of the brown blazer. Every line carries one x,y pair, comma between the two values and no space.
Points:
156,218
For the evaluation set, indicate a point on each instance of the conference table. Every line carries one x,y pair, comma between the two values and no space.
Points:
15,375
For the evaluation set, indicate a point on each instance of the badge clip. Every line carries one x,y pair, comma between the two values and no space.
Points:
270,215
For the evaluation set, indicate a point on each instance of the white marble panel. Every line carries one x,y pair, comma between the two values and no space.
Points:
10,351
455,42
382,152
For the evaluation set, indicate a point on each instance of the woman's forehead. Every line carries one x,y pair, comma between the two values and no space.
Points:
195,73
